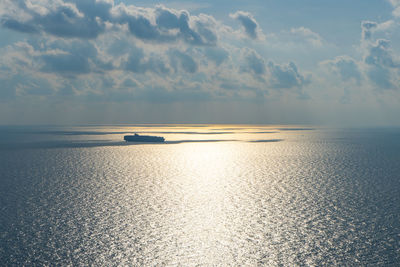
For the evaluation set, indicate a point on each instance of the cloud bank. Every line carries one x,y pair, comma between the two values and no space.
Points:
90,46
100,51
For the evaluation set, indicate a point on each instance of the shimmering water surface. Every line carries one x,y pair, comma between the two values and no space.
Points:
212,195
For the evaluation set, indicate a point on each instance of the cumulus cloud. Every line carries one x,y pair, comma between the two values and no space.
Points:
396,6
74,58
137,62
249,24
370,27
253,62
286,76
380,55
308,35
183,60
99,50
346,67
59,18
216,54
273,75
161,24
367,28
382,65
379,64
89,18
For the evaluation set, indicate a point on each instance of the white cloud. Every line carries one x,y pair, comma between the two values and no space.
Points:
346,67
311,37
249,24
156,47
379,67
396,6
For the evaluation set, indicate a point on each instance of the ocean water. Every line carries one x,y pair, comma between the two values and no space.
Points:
212,195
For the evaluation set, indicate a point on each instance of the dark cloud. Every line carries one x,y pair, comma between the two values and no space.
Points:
129,83
380,55
248,22
381,77
15,25
168,20
201,34
79,22
170,26
346,67
157,65
208,35
367,28
186,62
87,19
142,28
134,62
119,47
381,62
286,76
65,63
63,21
72,58
93,8
254,63
137,62
279,76
216,54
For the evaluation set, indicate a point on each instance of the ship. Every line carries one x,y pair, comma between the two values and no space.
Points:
144,138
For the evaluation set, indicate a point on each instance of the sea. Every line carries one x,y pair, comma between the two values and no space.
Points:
211,195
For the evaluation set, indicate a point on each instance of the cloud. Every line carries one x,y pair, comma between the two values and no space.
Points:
132,54
286,76
308,35
382,65
370,27
88,19
75,58
166,25
381,55
138,62
379,64
15,25
129,83
367,28
185,62
346,67
216,54
250,25
62,19
253,62
396,7
273,75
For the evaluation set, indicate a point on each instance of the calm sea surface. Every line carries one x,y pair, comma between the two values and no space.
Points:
211,196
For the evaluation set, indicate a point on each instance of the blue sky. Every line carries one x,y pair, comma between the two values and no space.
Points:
286,62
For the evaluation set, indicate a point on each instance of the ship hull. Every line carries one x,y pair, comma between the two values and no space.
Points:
144,139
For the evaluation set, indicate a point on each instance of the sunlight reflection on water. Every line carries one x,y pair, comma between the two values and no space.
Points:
311,199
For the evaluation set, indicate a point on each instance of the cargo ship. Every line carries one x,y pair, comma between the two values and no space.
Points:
144,138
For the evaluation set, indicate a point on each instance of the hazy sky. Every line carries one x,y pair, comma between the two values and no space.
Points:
266,61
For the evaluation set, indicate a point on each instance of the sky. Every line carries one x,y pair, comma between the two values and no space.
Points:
255,61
